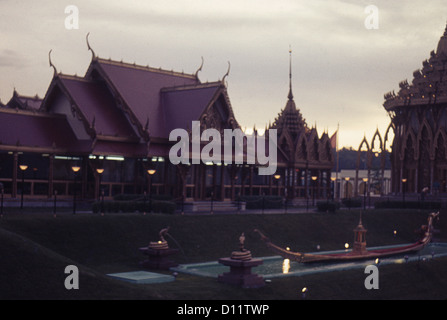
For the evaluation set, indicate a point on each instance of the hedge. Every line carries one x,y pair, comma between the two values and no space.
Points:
133,206
392,204
258,202
328,206
352,202
140,197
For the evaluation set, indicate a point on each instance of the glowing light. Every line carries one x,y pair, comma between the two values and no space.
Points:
286,266
346,245
287,248
75,168
304,290
23,167
100,170
151,171
115,158
66,158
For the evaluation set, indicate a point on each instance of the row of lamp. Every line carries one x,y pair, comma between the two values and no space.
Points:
314,178
75,170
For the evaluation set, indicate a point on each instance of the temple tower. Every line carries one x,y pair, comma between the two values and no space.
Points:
359,238
418,113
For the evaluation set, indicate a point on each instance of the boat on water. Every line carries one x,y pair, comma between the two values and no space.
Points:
359,250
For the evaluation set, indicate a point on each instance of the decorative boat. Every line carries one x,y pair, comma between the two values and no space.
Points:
359,250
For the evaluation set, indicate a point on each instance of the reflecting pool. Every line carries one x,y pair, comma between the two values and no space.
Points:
277,266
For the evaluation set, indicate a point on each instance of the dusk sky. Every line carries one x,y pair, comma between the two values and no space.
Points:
341,69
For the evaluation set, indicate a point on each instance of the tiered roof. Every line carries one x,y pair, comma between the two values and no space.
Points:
290,118
22,102
298,144
429,84
116,108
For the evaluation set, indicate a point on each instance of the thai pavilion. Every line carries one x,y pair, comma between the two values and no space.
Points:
418,115
109,130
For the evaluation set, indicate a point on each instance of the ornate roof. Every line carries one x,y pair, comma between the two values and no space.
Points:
298,144
22,102
115,108
429,84
290,118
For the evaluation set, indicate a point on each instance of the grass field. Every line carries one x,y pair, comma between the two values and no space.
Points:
35,249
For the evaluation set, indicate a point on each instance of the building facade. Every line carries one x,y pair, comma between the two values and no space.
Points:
418,115
109,131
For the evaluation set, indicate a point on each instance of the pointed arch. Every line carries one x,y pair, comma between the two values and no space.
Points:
409,141
359,152
368,161
424,140
364,142
440,157
301,148
313,145
286,144
325,148
440,142
387,132
373,140
384,155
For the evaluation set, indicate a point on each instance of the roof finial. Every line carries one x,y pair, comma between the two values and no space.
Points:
89,47
198,70
226,74
51,63
290,96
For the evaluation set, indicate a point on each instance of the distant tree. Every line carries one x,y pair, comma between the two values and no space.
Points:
348,160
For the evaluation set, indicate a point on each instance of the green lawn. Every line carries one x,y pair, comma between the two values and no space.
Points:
35,248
